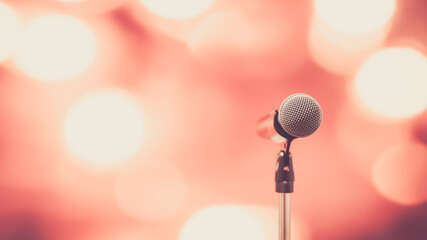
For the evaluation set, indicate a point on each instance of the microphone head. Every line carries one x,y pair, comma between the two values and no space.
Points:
300,115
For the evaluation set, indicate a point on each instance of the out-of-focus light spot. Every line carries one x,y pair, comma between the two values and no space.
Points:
237,34
345,32
55,47
259,221
392,82
267,216
92,6
177,9
119,234
341,53
150,191
223,222
355,16
359,127
104,127
400,173
9,25
234,42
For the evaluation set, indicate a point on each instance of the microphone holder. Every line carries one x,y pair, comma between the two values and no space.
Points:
284,187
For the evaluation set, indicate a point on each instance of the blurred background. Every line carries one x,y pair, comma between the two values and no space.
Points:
136,119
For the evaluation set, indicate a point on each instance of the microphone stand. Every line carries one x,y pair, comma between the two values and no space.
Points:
284,187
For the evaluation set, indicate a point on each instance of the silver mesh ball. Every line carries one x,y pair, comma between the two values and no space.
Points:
300,115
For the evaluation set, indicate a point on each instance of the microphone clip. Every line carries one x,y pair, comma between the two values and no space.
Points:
279,129
285,176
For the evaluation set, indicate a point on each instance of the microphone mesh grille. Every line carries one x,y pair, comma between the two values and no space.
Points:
300,115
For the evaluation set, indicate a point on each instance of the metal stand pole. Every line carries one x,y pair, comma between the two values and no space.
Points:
284,187
284,216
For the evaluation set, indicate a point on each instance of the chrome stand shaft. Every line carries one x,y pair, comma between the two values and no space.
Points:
284,216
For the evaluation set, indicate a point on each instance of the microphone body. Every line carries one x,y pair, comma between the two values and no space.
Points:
269,127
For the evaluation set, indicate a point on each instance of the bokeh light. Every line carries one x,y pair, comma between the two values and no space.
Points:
400,173
355,16
224,30
356,127
150,190
92,7
104,127
177,9
136,119
55,47
253,222
392,82
9,25
267,216
223,222
344,33
341,53
120,233
245,44
67,1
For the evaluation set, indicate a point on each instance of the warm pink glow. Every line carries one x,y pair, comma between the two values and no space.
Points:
392,82
240,42
235,34
66,1
9,25
400,173
177,9
55,47
137,119
151,190
104,128
363,136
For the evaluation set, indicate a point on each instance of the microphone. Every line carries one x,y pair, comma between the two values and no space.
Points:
299,116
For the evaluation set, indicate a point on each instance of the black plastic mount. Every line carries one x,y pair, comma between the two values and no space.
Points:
279,129
285,176
284,170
